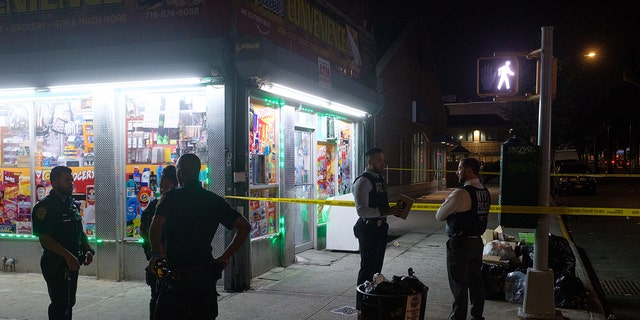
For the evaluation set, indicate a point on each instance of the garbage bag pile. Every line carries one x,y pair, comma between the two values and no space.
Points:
500,249
508,281
399,285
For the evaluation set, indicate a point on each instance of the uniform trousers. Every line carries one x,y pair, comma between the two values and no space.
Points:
464,268
191,295
62,285
372,243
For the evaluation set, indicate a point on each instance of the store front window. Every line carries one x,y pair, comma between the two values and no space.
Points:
161,126
50,132
263,167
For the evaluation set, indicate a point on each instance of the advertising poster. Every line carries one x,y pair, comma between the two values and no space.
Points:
263,213
15,199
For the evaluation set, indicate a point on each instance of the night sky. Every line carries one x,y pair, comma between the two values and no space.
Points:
460,32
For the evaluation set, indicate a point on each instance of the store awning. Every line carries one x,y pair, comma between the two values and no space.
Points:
261,60
128,62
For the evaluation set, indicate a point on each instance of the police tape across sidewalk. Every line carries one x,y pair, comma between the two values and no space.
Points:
576,211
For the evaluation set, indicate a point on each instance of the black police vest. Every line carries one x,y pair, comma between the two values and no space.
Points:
472,222
378,197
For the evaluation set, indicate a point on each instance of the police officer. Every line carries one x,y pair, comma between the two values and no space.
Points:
187,218
372,204
58,225
168,181
466,210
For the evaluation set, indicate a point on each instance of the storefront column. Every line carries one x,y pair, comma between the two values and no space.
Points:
109,184
235,170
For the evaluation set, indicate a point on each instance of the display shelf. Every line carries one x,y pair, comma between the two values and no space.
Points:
87,133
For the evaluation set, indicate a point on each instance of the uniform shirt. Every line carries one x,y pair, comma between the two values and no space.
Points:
361,189
145,222
61,219
458,201
192,215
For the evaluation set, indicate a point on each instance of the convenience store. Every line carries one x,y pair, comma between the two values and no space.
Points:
143,83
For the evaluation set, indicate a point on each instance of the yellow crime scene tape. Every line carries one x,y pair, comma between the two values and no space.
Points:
503,209
495,173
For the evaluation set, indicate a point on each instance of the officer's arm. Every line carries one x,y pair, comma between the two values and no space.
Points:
155,235
86,248
451,205
54,246
243,228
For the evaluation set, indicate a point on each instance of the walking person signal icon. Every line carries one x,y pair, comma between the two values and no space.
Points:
497,76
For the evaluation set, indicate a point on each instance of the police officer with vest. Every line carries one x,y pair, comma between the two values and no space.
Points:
372,205
465,211
58,224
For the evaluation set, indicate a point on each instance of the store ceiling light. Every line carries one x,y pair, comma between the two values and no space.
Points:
287,92
129,84
15,92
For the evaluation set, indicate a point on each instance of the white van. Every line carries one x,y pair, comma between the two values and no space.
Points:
565,156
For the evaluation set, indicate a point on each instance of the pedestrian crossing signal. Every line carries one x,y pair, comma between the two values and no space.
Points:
497,76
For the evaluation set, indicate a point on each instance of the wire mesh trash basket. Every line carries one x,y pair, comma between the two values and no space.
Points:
391,307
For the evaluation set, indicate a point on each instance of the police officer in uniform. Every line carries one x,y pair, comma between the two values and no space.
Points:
187,218
58,225
372,205
168,181
465,211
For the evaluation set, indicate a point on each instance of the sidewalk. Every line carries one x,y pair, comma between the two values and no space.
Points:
319,286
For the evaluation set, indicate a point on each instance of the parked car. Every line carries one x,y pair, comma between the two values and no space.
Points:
573,178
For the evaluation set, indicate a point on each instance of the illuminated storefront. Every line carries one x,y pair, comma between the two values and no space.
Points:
97,130
320,160
268,118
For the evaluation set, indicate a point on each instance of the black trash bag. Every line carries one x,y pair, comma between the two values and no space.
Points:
561,258
493,276
514,286
526,251
569,293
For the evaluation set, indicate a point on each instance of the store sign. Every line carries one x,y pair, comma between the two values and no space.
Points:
324,73
40,25
305,29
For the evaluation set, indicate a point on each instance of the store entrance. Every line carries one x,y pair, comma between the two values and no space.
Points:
305,222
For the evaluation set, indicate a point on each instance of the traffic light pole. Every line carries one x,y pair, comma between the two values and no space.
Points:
539,293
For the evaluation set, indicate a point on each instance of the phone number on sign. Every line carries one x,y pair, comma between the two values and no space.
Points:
173,13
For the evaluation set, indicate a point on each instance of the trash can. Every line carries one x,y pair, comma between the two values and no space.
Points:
391,307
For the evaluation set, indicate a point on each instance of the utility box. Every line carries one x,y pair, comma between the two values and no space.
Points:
519,181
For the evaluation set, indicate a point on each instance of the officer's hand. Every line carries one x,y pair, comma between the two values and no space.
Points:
72,263
152,263
397,210
224,262
88,258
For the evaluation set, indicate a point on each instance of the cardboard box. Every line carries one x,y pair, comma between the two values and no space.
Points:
497,234
529,238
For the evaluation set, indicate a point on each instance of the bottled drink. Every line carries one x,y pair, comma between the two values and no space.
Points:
137,179
131,191
146,176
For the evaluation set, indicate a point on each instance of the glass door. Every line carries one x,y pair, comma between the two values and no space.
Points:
304,188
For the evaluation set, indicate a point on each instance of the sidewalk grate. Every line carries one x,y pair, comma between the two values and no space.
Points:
620,287
345,310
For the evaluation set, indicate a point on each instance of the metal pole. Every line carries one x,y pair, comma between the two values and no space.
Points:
540,259
539,296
